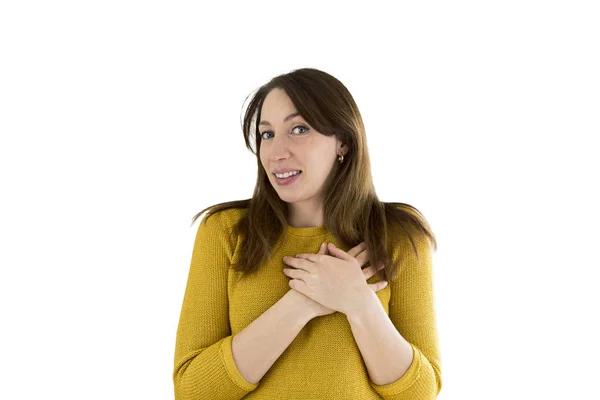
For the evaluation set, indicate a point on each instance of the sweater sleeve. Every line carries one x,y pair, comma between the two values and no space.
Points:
204,367
411,310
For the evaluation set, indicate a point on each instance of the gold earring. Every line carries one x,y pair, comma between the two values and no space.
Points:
341,159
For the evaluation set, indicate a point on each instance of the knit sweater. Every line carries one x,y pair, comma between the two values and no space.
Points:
323,361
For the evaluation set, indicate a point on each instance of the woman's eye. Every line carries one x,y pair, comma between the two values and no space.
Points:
301,126
297,126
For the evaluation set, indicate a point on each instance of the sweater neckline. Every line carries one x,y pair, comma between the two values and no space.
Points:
307,231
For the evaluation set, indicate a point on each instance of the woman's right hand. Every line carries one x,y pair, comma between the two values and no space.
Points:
317,308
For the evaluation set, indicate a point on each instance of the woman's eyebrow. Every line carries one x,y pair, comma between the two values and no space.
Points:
286,119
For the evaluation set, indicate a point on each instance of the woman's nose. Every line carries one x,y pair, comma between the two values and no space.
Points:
279,149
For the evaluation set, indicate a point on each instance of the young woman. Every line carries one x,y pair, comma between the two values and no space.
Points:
313,288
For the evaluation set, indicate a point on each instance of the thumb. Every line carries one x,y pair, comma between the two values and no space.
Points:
337,252
332,248
323,249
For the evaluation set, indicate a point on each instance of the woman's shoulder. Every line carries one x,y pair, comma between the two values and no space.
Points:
224,219
231,216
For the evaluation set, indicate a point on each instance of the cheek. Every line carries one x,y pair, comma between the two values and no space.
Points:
315,180
262,162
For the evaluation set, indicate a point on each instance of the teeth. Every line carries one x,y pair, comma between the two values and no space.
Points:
287,174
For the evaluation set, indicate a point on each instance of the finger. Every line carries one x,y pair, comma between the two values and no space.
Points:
302,261
295,273
370,271
357,249
322,249
362,257
360,252
377,286
338,253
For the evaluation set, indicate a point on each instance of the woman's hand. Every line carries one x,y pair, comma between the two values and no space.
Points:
337,283
316,309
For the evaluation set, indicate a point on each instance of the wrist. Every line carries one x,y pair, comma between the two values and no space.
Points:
298,302
365,306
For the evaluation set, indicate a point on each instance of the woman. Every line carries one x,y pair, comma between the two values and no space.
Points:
287,294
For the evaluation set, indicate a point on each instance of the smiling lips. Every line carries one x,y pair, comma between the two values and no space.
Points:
288,180
284,170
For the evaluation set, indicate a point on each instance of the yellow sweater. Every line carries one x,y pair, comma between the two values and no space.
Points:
323,361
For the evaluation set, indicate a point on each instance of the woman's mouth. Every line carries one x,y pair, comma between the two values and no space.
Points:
288,180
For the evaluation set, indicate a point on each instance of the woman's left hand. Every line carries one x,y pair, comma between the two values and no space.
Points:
335,281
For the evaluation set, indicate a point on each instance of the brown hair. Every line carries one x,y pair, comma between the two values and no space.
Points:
351,211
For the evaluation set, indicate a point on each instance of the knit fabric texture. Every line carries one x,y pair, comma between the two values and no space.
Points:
323,361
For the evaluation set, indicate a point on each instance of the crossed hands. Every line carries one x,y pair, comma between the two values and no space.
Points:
335,280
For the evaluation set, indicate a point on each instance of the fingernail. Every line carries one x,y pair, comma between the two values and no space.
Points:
385,283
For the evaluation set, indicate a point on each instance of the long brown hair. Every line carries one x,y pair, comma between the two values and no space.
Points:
352,210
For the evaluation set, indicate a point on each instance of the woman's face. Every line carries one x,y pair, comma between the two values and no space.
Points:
289,143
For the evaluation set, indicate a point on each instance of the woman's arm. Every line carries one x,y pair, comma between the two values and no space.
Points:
256,348
412,314
210,362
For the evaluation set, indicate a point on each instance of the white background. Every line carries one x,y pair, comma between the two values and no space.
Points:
120,120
